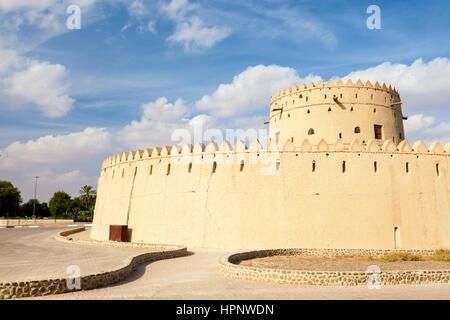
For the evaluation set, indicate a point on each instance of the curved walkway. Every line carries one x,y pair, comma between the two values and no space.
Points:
34,254
196,277
191,277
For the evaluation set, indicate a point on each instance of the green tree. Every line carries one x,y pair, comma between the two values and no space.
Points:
76,206
87,195
26,209
9,199
42,210
59,205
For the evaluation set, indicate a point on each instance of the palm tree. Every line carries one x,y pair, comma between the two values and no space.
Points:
86,195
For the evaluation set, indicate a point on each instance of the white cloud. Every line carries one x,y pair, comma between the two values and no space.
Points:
421,127
423,86
418,123
250,90
139,16
136,8
57,149
194,34
177,9
159,119
162,123
190,29
11,5
43,84
47,15
9,60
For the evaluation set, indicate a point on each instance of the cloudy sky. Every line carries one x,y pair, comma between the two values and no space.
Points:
137,70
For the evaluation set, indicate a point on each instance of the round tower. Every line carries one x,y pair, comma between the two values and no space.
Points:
342,111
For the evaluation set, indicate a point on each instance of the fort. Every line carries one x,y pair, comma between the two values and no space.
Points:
336,173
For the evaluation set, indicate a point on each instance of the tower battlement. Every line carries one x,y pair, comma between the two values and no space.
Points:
330,84
342,111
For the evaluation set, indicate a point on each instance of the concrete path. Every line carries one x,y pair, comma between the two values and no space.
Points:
34,254
191,277
195,277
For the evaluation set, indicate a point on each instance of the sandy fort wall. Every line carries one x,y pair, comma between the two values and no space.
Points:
372,195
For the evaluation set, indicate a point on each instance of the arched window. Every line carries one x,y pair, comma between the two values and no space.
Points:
168,169
190,167
357,130
311,131
214,167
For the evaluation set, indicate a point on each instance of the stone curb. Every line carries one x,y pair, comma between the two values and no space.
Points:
35,288
228,266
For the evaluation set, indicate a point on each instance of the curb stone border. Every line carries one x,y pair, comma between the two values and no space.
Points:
22,289
228,266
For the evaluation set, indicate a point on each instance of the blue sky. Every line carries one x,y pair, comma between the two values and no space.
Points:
137,70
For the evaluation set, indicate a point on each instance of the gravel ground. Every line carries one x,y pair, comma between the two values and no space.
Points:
303,262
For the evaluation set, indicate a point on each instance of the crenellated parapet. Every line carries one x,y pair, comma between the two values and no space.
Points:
212,152
330,84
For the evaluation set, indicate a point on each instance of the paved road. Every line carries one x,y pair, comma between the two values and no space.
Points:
192,277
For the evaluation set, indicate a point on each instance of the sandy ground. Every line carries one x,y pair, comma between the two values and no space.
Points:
304,262
191,277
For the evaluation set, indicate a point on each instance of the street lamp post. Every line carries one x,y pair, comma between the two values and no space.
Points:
34,204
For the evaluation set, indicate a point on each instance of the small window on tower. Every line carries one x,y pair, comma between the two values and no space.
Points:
357,130
378,132
311,131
